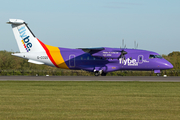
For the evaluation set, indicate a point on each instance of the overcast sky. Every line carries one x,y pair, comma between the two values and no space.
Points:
154,24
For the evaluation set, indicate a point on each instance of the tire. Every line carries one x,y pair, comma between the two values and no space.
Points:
158,74
96,73
103,74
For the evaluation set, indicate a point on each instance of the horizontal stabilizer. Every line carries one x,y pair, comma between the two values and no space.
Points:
35,62
15,21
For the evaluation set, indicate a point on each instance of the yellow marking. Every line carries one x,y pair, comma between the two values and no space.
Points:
57,57
22,41
113,67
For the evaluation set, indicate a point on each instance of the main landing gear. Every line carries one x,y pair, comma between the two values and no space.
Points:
103,74
100,72
96,73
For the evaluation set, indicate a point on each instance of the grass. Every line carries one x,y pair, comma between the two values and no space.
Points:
39,100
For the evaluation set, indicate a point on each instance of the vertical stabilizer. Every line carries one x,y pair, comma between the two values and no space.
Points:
26,40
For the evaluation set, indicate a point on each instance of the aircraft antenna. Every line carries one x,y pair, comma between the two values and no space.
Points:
123,53
135,45
122,43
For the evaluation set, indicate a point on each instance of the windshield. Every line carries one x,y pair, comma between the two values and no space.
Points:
158,56
155,56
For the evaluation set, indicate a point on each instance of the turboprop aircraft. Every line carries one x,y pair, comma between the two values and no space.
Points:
98,60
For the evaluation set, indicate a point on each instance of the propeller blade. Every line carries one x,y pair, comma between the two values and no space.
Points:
122,54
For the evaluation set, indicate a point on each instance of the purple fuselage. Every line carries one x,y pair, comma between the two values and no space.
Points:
110,59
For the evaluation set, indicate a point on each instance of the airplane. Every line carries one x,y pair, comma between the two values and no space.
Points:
99,60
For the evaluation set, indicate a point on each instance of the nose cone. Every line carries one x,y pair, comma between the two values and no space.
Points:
169,65
166,64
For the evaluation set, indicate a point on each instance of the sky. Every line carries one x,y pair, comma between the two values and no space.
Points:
153,24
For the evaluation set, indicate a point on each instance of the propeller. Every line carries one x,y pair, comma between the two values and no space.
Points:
122,54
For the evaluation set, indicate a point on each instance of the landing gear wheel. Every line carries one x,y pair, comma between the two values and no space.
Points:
103,74
96,73
158,74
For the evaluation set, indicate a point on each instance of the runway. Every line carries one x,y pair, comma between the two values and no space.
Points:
91,78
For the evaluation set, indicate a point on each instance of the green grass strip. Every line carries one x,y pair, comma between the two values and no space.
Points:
40,100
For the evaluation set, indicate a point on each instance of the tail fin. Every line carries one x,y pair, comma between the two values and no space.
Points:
26,40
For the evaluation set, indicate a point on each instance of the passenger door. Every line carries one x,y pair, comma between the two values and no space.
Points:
72,60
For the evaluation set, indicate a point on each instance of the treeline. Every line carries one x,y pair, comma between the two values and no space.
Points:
11,65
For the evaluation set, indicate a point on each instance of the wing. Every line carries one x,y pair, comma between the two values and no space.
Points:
102,52
92,50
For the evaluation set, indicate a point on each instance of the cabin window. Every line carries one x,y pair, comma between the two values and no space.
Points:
87,58
81,58
151,56
94,58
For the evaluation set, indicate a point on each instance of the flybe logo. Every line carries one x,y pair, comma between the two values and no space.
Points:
128,62
25,39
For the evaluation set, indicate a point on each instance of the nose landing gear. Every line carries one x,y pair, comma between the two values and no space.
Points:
158,74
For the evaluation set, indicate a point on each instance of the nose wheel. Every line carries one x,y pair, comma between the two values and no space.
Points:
158,74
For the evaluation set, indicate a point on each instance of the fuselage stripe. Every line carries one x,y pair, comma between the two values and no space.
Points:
57,56
48,53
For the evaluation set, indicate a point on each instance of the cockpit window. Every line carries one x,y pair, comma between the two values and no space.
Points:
151,56
158,56
155,56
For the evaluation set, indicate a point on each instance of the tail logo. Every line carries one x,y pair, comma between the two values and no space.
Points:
25,38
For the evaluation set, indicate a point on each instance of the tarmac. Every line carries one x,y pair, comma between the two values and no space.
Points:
92,78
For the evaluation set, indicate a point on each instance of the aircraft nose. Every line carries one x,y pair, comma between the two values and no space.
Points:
164,64
168,65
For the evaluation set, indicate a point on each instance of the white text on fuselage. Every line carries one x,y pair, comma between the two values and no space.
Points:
128,62
110,53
